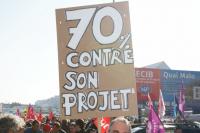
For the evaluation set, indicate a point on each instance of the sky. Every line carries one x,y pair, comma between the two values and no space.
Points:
162,30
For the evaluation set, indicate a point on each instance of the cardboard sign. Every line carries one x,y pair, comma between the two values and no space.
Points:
96,61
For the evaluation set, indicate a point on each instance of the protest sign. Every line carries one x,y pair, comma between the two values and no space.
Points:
96,68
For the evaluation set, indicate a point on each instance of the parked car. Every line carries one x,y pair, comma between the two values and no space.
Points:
188,127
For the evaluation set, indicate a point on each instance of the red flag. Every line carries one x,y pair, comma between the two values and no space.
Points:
161,106
95,121
39,116
30,113
105,122
51,115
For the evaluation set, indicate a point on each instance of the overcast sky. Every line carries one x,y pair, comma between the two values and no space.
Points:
162,30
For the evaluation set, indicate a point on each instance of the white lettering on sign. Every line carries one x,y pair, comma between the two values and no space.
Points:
103,57
144,74
85,16
118,24
70,99
187,75
168,75
89,101
81,80
178,75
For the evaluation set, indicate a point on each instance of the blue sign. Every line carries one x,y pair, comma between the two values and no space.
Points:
173,80
145,89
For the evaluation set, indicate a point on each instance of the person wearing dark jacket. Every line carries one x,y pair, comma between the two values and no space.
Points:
35,128
79,126
57,128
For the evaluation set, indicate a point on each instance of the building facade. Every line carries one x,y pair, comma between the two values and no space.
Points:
170,82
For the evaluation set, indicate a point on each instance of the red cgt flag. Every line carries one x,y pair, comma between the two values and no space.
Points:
30,113
39,116
51,115
105,122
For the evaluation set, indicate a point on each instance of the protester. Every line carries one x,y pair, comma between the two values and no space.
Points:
91,130
57,128
34,128
11,124
119,125
91,124
52,119
46,126
79,126
72,128
28,124
65,126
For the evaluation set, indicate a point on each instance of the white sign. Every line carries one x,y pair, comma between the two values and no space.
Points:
196,92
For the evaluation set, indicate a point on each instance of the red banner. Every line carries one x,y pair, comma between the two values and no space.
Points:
147,81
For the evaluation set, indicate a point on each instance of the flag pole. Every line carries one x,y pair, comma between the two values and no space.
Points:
99,124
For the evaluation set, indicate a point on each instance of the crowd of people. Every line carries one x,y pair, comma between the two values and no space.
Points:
10,123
